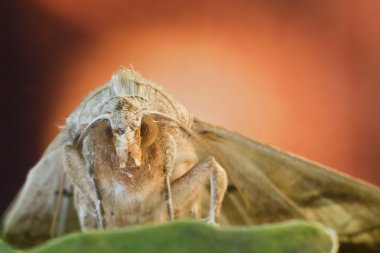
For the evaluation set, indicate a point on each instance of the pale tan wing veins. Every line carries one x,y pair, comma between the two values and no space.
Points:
28,220
272,185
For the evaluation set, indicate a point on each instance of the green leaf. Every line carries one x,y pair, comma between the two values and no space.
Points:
4,248
190,236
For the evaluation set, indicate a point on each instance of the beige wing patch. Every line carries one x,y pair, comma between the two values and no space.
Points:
272,185
29,220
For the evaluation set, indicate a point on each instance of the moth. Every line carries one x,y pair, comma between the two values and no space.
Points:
131,154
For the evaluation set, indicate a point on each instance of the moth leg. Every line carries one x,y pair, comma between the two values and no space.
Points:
187,185
85,211
170,151
57,207
218,187
80,176
65,193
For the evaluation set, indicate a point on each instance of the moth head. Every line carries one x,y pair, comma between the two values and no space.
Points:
128,129
131,137
131,130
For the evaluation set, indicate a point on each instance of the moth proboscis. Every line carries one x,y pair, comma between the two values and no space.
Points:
131,154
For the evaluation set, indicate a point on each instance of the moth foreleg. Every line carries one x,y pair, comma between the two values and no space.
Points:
187,186
170,152
218,187
76,169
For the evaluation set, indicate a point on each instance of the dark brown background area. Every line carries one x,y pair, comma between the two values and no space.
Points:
301,75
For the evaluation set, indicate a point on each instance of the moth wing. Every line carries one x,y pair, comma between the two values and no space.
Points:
29,219
272,185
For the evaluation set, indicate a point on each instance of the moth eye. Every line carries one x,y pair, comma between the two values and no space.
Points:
148,131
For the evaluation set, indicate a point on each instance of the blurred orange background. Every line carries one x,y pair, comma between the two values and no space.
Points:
300,75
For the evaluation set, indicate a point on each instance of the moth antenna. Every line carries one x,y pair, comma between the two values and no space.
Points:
202,144
89,125
170,124
180,124
165,116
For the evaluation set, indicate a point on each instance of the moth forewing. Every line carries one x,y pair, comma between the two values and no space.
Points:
29,219
273,185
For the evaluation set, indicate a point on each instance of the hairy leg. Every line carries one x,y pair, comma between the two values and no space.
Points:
81,177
